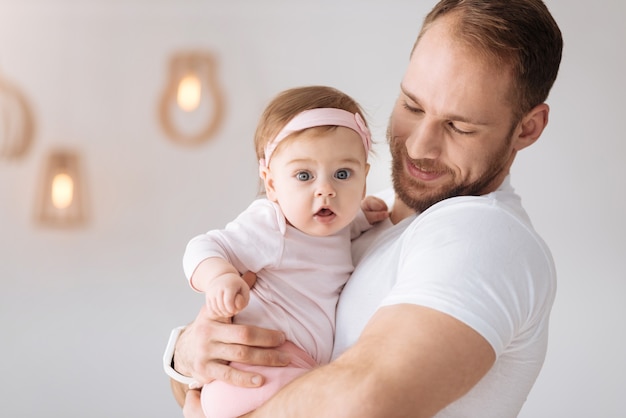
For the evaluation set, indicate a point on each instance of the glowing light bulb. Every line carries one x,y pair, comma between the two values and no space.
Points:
191,107
62,191
189,93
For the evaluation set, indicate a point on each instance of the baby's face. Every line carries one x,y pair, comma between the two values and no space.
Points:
318,179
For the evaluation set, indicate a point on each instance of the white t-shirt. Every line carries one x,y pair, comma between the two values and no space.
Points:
299,276
477,259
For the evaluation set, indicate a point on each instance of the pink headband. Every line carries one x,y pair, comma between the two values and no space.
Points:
326,116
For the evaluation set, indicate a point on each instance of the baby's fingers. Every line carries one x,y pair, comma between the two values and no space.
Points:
242,299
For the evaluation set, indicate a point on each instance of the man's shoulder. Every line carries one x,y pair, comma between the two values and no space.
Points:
501,203
475,218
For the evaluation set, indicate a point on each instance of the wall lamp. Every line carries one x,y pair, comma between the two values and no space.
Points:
61,198
16,121
191,108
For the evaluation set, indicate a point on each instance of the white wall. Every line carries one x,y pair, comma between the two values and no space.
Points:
85,313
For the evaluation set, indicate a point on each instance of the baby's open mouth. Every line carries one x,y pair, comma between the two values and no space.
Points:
324,212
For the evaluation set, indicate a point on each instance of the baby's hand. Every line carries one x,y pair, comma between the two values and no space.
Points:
227,295
375,209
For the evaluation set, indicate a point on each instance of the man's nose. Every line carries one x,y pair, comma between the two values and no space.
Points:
425,140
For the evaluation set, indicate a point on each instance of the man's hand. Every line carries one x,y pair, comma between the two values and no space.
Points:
206,346
192,407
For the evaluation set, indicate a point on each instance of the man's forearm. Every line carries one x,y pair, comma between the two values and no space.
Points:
410,361
313,394
346,388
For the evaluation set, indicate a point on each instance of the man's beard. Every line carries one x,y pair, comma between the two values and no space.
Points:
416,195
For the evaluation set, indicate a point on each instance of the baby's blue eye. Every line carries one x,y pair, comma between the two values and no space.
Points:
303,176
342,174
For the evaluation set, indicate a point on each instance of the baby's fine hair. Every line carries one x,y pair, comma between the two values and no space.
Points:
289,103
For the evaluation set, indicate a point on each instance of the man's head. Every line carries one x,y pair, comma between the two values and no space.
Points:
472,96
520,36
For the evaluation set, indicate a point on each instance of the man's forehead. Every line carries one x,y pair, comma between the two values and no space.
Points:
449,79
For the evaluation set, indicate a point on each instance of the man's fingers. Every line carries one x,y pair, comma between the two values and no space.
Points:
234,376
192,407
209,345
251,355
246,335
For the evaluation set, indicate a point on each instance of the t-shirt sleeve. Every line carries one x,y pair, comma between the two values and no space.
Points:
473,264
251,242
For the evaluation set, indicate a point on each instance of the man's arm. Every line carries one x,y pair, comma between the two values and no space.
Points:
409,361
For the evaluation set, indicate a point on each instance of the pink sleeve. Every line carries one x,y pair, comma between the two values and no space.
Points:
251,242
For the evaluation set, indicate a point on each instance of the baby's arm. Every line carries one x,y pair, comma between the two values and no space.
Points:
375,209
226,292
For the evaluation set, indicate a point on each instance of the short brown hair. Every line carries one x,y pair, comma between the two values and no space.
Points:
520,34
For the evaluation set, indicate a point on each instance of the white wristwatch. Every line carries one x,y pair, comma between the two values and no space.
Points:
168,359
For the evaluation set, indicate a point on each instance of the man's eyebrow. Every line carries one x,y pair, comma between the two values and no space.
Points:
408,94
449,116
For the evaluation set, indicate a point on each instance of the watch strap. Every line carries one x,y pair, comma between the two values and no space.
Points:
168,359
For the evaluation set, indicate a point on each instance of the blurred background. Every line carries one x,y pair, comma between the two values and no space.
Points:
86,306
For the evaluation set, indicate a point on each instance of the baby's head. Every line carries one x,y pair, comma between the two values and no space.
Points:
289,103
312,144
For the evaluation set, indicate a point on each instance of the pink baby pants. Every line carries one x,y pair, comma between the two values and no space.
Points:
222,400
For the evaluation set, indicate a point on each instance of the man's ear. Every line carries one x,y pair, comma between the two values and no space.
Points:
531,127
268,182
